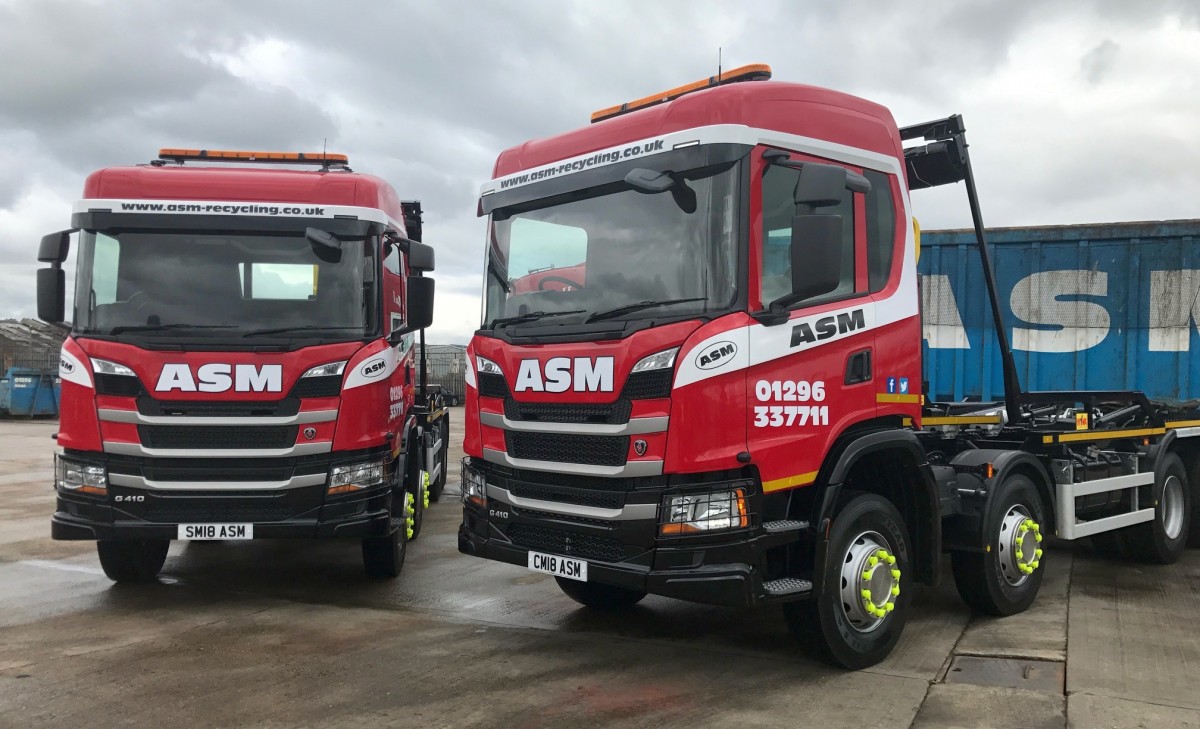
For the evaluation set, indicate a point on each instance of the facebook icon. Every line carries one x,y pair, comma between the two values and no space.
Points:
891,385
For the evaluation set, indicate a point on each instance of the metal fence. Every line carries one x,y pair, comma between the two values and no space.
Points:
446,368
37,358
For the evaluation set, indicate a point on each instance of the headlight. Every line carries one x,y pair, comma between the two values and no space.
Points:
326,370
690,513
357,476
660,361
474,486
80,478
487,367
104,367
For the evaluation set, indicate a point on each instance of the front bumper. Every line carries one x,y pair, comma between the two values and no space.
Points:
723,568
366,516
139,513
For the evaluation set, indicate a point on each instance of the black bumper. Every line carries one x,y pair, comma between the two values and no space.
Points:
726,583
366,515
718,569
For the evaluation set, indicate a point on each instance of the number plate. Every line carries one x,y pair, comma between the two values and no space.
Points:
196,532
552,564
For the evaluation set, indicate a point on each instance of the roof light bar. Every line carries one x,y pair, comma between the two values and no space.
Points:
225,155
753,72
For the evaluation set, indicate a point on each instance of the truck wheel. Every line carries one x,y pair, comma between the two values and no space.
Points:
1163,539
383,557
860,610
435,488
599,597
1004,579
416,497
132,561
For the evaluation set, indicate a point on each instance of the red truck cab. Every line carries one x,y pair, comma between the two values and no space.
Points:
652,427
240,362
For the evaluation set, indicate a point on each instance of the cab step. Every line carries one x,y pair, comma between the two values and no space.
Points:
787,587
784,525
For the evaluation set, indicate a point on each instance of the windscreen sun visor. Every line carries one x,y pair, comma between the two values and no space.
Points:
601,180
343,228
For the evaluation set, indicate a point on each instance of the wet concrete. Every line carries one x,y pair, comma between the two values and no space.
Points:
275,633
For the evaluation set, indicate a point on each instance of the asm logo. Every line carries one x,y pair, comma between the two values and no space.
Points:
583,374
216,377
716,355
828,326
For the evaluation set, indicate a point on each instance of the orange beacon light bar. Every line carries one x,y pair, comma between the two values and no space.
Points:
753,72
224,155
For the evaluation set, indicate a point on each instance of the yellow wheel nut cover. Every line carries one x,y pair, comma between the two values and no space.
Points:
896,590
891,559
890,607
896,574
873,561
866,594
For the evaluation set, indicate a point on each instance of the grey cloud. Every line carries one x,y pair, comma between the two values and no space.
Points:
1097,62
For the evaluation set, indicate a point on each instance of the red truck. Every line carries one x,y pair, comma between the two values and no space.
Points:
240,362
728,408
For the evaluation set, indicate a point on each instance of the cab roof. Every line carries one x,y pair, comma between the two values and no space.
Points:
790,108
243,184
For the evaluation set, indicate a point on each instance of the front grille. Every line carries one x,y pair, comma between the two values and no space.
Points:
216,409
562,494
647,385
491,385
534,514
216,511
118,385
218,436
326,386
610,413
554,541
592,450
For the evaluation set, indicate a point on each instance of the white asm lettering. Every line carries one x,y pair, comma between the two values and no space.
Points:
589,375
216,377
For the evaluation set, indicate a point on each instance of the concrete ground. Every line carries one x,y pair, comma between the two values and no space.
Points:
289,634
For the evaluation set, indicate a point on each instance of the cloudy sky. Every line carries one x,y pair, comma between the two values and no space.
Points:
1080,111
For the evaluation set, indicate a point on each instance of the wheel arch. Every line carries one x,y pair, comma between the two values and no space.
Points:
891,463
1004,463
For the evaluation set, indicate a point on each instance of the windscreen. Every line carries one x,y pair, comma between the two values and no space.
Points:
222,284
618,251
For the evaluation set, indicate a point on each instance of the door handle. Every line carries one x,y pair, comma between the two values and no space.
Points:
858,367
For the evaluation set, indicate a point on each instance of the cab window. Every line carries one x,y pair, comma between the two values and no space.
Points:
778,209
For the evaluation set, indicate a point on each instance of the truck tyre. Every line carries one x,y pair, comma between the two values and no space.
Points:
383,557
1005,578
599,597
1164,538
443,456
416,493
859,612
132,561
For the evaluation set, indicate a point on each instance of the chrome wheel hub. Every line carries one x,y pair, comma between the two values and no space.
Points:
1172,507
870,585
1019,545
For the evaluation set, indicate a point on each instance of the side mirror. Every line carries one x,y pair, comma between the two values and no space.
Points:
820,185
51,294
816,253
419,310
54,247
420,258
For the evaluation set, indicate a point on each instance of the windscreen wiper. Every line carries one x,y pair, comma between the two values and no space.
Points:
166,327
531,316
630,308
301,328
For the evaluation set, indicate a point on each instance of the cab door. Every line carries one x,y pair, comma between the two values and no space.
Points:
810,375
